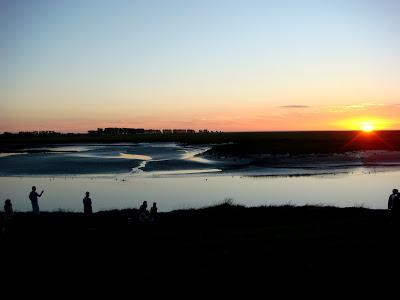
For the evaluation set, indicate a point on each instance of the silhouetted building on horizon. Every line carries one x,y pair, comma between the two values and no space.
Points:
110,131
116,131
132,131
153,131
179,131
39,133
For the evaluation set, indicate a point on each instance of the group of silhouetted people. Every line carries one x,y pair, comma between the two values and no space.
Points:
144,214
33,196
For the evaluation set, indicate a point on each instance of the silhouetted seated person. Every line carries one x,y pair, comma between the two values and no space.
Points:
33,196
143,212
87,205
394,202
153,212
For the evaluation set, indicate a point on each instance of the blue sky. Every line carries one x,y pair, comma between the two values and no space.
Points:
231,65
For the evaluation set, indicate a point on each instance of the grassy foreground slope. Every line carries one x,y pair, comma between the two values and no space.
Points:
222,243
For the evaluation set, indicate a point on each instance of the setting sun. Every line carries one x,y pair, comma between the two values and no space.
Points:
367,127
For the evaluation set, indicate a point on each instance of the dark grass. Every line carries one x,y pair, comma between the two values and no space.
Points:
225,244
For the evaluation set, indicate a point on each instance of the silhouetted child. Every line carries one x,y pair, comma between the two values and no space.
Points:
143,212
153,212
8,210
8,215
87,204
33,196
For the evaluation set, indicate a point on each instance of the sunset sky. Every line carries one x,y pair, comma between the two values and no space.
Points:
222,65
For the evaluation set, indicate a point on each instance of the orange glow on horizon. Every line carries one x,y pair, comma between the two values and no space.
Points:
366,124
235,118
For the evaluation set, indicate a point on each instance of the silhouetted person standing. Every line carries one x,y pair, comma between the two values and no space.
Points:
8,215
87,204
33,196
394,207
143,207
8,210
153,211
393,202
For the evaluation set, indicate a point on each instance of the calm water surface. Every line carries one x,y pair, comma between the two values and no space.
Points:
365,188
123,176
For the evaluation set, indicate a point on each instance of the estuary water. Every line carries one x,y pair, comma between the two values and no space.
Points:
178,177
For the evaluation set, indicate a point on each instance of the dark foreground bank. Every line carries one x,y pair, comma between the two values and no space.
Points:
225,243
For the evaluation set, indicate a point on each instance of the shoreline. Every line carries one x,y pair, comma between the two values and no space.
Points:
179,159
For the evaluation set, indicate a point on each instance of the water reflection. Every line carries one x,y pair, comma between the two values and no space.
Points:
125,175
104,159
191,191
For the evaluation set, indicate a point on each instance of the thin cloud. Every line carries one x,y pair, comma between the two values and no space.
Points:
294,106
358,107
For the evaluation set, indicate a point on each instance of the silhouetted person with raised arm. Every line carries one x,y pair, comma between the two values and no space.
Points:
153,212
143,212
33,196
87,204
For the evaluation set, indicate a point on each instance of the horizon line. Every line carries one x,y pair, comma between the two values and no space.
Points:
198,131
